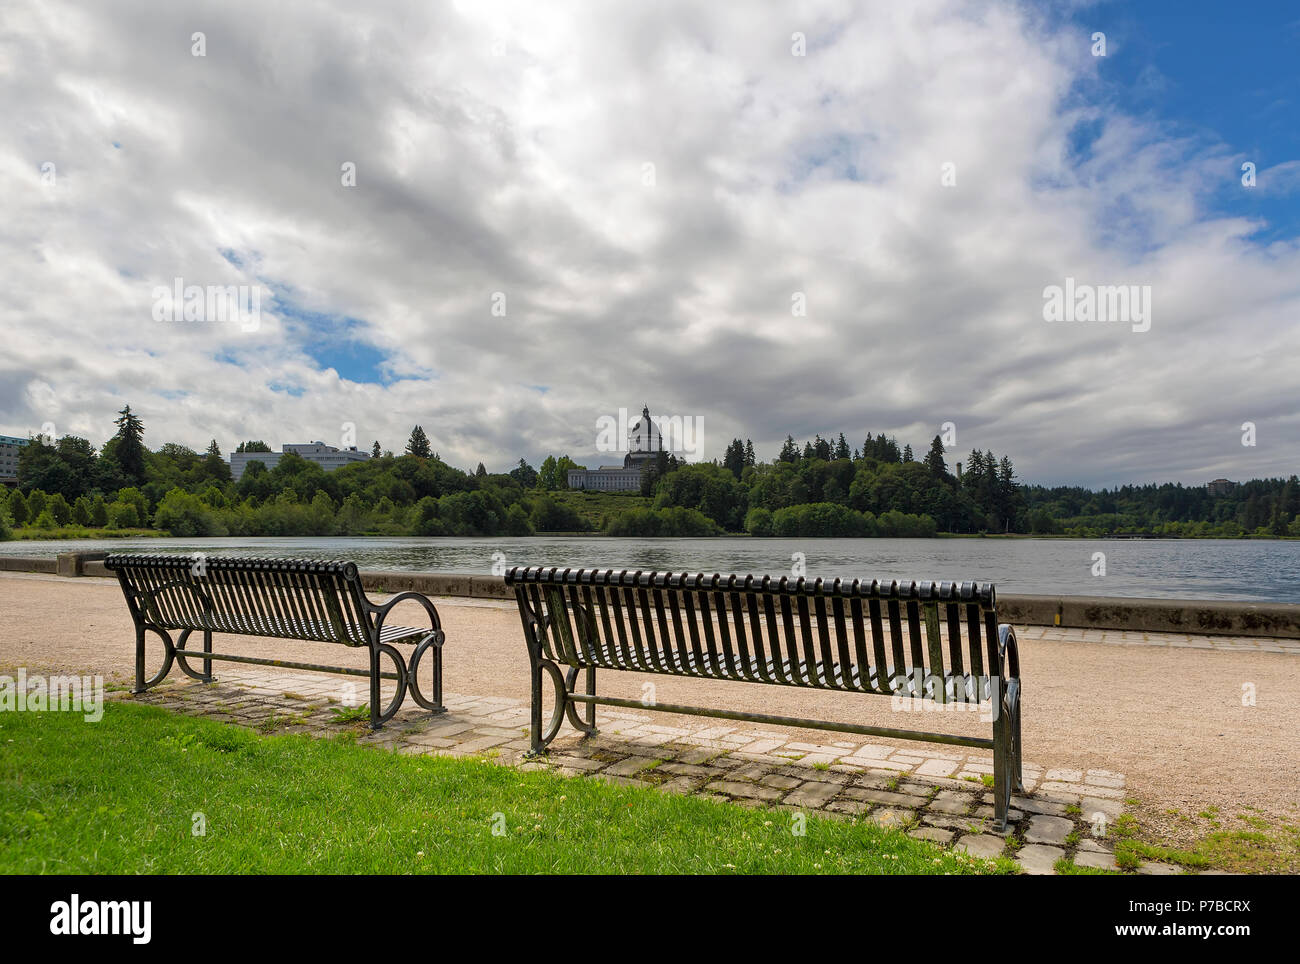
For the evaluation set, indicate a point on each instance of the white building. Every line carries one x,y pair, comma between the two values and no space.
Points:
10,446
645,442
327,457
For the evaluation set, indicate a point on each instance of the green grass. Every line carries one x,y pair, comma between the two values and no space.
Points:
595,507
83,532
1067,867
120,796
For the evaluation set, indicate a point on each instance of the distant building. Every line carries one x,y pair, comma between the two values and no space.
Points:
644,443
9,448
1220,487
326,456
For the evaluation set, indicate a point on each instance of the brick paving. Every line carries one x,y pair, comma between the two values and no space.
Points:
935,795
1120,637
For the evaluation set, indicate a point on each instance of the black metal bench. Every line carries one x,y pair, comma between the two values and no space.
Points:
918,640
304,599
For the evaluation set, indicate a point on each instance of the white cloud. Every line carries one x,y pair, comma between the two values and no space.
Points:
502,147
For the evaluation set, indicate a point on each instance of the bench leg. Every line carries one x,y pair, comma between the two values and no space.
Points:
1014,694
375,722
1007,773
139,660
591,707
536,747
207,663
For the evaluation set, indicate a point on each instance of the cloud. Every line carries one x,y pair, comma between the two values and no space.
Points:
647,185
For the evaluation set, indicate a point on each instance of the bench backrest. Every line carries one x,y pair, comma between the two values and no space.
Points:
291,598
876,636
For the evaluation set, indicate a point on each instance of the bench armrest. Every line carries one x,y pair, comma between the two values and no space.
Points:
1008,653
380,613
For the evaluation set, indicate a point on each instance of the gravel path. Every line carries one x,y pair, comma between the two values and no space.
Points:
1170,719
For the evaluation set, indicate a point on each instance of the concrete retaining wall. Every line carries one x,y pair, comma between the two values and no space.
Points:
1211,617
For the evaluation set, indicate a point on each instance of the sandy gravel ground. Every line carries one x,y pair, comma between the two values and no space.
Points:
1171,720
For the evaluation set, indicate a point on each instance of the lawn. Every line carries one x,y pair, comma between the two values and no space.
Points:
129,793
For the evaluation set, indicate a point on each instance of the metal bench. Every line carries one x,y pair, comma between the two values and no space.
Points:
311,600
907,640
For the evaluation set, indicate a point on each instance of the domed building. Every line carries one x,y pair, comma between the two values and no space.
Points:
644,443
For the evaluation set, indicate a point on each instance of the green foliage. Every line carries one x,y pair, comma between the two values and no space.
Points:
183,514
16,507
758,522
418,444
822,519
58,507
662,522
127,446
123,515
36,500
548,515
1258,508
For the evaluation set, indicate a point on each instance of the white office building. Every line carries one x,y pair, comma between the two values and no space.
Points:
327,457
10,446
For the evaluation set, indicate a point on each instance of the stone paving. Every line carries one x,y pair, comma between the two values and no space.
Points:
939,795
1121,637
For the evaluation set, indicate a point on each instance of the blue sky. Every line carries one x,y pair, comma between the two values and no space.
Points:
1212,72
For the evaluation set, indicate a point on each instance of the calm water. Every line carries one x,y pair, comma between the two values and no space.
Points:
1196,569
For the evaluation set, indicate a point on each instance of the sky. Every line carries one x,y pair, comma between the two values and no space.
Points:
505,221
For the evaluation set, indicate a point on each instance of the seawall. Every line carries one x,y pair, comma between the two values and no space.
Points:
1211,617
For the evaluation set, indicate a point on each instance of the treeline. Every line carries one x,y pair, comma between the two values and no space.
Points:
827,488
175,489
823,488
1258,508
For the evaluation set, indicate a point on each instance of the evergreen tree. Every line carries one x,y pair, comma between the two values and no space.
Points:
419,444
256,445
841,447
934,460
749,453
734,459
128,446
788,451
214,466
907,453
375,451
481,471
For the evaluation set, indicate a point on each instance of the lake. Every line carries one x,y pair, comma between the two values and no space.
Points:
1190,569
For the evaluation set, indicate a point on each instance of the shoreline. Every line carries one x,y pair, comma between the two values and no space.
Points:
1208,617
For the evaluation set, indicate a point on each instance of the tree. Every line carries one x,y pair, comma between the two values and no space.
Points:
907,453
128,446
934,460
419,444
374,451
481,471
254,446
17,508
734,459
524,474
749,453
214,465
789,453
